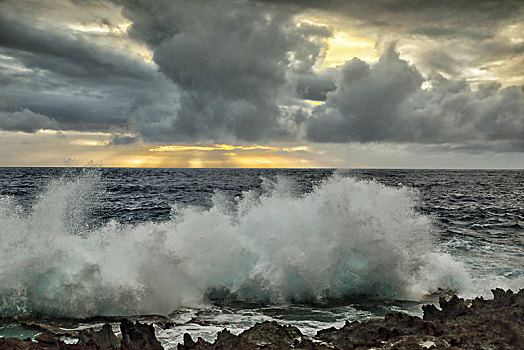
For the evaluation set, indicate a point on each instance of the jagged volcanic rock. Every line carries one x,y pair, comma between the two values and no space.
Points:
486,324
459,324
135,336
138,336
266,335
104,337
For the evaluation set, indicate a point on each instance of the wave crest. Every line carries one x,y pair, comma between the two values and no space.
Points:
347,237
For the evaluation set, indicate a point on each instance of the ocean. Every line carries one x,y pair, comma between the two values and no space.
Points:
226,248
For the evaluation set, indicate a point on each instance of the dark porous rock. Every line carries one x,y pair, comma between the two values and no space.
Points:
504,298
416,342
188,342
47,338
227,339
270,333
486,324
14,344
200,344
46,341
265,335
431,312
459,324
138,336
376,333
309,344
104,337
454,307
135,336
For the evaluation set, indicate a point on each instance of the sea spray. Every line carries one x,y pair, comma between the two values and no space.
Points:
344,238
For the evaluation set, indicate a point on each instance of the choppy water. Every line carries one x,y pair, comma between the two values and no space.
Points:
226,248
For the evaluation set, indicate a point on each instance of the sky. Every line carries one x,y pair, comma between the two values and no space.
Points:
262,83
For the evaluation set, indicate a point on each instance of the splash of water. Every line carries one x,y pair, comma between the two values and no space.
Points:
344,238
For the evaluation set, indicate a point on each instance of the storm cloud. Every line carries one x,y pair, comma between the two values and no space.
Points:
230,60
66,75
25,120
233,62
386,102
366,102
244,71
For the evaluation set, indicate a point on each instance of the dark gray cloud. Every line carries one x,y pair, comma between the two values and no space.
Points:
25,120
69,77
386,103
233,71
446,18
451,112
365,105
315,86
118,140
476,34
67,54
230,60
439,60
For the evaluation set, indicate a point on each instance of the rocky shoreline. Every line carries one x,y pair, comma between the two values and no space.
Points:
459,324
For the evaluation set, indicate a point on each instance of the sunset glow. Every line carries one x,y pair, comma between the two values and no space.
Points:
256,83
178,148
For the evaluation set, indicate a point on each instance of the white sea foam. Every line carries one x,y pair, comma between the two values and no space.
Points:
345,238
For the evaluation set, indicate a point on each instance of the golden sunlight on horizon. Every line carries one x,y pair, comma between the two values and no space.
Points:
216,158
222,156
79,149
217,147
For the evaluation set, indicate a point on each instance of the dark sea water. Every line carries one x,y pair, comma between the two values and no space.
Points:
211,247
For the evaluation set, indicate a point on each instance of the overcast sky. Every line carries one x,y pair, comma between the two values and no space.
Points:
222,83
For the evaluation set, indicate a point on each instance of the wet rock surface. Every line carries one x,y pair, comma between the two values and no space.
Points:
135,336
138,336
458,324
479,324
104,337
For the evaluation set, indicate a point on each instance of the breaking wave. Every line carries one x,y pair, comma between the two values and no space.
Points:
345,238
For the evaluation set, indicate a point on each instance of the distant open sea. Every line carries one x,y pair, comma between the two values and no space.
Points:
215,248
